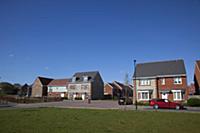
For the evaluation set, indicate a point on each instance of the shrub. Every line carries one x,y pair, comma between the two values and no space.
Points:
194,102
143,103
78,98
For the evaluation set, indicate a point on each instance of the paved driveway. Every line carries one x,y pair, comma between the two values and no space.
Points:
98,104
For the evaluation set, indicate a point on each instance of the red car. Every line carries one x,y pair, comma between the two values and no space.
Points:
164,103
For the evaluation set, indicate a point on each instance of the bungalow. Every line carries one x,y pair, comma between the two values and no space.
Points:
39,87
58,88
165,79
86,85
197,77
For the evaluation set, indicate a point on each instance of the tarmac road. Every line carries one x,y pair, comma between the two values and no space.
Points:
96,104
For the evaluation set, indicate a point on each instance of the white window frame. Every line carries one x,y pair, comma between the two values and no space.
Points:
177,80
175,95
85,78
163,81
141,97
145,82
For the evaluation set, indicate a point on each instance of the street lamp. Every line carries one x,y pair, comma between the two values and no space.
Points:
135,84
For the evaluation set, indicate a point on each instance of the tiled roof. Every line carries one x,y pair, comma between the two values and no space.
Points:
80,75
198,63
45,81
163,68
59,82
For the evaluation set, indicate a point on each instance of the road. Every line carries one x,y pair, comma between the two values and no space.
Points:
98,104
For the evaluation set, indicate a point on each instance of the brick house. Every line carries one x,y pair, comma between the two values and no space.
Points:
86,85
58,88
197,77
165,80
39,87
116,89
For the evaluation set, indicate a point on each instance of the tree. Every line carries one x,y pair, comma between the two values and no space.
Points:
8,88
126,79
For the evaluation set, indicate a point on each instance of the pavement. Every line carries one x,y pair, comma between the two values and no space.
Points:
96,104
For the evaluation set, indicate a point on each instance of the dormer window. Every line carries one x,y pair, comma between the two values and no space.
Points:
74,79
85,78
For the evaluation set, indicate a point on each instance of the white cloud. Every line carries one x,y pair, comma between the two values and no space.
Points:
46,68
11,55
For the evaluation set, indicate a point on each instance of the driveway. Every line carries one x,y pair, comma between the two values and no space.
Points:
97,104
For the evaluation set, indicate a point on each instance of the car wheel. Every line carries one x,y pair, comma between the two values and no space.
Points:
177,107
155,106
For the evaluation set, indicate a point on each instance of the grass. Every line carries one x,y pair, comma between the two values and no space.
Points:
53,120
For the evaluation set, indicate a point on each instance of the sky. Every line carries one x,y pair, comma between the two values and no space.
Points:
56,38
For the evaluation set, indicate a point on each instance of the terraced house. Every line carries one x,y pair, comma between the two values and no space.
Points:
86,85
165,79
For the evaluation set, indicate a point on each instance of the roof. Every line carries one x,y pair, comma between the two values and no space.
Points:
59,82
121,85
198,63
45,81
162,68
80,75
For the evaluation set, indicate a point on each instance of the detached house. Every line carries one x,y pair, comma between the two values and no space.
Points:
197,77
165,79
39,87
58,88
86,85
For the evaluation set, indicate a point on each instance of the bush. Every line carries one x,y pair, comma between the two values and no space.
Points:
194,102
143,103
78,98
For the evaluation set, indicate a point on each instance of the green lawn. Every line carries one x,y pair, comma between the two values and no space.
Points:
52,120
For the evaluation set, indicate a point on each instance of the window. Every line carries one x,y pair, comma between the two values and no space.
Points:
177,80
85,78
74,79
84,87
145,82
177,95
163,81
50,90
143,95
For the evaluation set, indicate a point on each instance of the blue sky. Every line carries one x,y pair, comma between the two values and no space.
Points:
55,38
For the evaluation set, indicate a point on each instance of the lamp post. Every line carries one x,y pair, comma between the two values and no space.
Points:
135,84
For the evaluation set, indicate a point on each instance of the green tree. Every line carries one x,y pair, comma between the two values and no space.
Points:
8,88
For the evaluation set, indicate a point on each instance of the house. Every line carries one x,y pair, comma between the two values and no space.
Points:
39,87
86,85
165,79
111,91
197,77
117,89
58,88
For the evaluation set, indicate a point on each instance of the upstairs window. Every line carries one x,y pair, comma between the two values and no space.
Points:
163,81
177,80
85,78
145,82
74,79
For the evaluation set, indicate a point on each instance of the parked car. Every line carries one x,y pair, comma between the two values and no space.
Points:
164,103
125,101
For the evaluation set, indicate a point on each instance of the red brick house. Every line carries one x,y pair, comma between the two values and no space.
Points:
58,88
117,89
165,79
197,77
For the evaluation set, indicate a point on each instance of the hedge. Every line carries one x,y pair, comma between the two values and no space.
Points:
194,102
